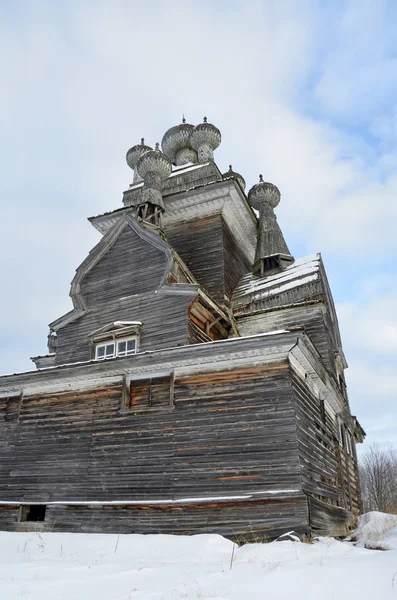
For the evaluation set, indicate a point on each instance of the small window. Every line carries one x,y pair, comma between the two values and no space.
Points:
33,512
155,392
9,407
123,347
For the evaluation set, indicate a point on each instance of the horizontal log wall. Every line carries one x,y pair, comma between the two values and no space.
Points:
243,521
164,320
200,245
310,317
325,518
235,263
328,475
130,266
229,434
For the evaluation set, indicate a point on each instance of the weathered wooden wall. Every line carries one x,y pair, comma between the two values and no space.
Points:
200,245
229,434
164,318
329,474
235,263
254,520
310,317
130,266
211,253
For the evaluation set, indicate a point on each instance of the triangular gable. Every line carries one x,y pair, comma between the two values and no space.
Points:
99,252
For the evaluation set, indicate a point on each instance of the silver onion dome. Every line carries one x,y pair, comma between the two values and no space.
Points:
134,154
264,193
234,175
205,138
175,144
154,161
154,167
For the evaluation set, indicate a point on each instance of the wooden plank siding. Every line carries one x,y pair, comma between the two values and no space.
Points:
243,521
329,476
235,263
230,434
311,317
164,318
130,266
211,254
200,245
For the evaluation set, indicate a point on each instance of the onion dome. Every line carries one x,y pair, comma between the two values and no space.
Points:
175,144
134,154
205,138
232,174
264,193
272,254
153,167
154,161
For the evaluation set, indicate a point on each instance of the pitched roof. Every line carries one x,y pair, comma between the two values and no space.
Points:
301,272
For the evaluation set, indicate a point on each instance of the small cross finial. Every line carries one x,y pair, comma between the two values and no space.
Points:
205,119
157,147
142,141
183,118
261,178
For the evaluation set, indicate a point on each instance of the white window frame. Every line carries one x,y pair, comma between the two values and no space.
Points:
115,343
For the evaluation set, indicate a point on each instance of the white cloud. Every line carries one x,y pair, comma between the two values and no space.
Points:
370,323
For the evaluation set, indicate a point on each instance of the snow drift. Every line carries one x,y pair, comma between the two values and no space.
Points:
65,566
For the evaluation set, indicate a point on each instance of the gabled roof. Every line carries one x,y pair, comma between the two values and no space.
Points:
300,273
304,281
99,251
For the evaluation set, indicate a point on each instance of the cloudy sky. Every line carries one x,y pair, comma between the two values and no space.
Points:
303,91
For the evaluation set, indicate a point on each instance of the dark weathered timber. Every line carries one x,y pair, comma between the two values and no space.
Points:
200,245
325,518
130,266
329,475
152,309
211,253
235,263
243,521
309,316
230,435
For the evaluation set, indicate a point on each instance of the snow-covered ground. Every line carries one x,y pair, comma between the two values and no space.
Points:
63,566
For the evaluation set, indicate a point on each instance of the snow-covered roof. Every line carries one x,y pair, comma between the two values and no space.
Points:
301,272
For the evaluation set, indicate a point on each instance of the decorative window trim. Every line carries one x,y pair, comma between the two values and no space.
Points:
116,329
106,340
116,347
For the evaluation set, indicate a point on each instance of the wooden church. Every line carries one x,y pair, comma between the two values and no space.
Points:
197,385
